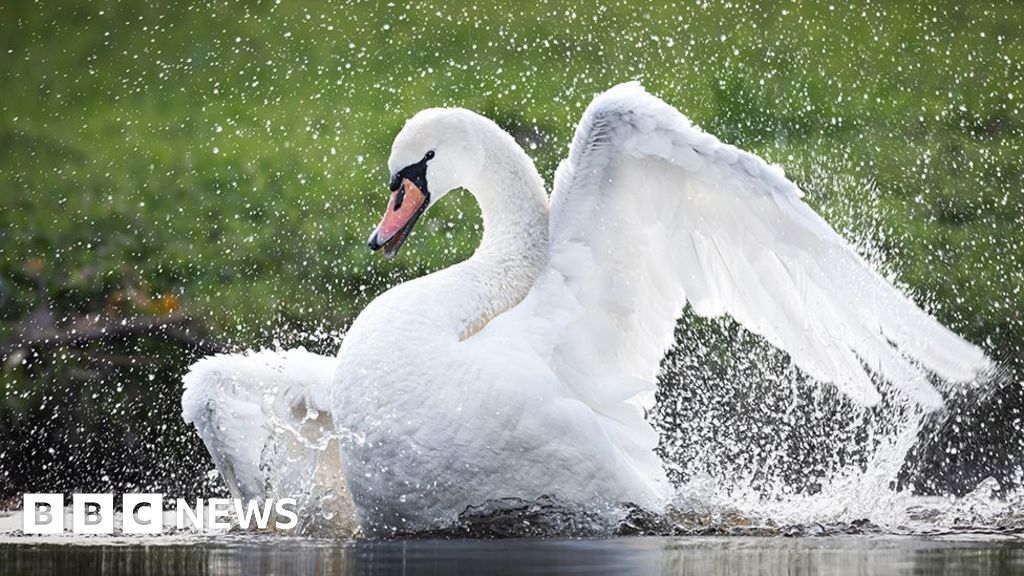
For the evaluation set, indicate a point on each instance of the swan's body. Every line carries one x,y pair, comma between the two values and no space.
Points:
519,372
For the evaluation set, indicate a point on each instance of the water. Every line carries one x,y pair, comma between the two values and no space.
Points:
245,555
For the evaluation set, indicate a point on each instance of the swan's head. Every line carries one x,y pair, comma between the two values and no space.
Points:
437,151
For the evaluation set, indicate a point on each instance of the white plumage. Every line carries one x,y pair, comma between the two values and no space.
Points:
259,415
522,372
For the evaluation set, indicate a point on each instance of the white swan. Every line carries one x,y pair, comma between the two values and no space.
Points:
517,372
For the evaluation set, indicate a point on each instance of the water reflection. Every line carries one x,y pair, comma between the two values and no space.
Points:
620,556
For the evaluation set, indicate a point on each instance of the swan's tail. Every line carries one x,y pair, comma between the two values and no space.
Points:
264,418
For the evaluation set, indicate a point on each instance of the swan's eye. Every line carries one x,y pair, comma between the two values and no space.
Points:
429,155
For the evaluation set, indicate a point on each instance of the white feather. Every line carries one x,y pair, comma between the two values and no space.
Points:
264,418
707,222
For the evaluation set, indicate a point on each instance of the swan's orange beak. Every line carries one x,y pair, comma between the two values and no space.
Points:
406,205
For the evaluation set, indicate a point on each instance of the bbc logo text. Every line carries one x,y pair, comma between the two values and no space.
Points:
144,514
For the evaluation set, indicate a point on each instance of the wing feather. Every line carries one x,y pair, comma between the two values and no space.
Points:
264,418
649,213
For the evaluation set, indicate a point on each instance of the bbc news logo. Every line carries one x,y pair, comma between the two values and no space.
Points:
144,514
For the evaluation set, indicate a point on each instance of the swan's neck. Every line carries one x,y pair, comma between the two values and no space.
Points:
514,247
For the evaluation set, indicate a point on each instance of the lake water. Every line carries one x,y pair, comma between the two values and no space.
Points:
246,554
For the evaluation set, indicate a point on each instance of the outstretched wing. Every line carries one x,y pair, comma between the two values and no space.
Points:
649,213
264,418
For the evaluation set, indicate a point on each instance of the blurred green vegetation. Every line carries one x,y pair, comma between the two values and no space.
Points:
233,155
227,160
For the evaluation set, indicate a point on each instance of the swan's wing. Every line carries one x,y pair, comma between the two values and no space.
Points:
649,213
264,418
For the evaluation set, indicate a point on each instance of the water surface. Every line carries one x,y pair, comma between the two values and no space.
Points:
244,555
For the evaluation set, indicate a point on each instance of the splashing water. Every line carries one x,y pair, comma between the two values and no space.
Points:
751,444
748,441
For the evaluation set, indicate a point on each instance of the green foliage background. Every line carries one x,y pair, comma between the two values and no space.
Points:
227,160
